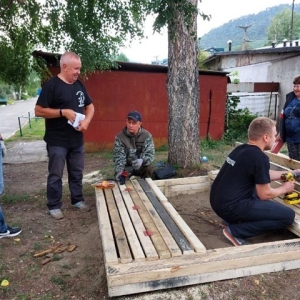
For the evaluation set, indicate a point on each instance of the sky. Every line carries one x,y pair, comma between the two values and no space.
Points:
155,47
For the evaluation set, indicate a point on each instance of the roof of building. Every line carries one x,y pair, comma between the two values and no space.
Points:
279,50
52,59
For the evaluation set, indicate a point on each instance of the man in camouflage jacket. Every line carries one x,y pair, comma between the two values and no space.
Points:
133,149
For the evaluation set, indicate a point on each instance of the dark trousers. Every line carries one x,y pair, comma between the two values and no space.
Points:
74,157
143,172
265,215
294,151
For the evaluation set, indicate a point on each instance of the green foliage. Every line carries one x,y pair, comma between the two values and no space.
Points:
162,148
234,77
95,29
165,11
208,144
202,55
280,26
237,120
20,25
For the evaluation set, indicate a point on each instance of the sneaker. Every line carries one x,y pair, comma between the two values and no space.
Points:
10,232
82,206
56,214
235,241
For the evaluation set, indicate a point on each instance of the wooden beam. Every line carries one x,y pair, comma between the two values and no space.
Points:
190,269
168,238
108,243
151,228
132,239
178,236
189,234
117,226
168,283
145,240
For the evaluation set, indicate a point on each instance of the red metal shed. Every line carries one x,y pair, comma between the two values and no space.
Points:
142,87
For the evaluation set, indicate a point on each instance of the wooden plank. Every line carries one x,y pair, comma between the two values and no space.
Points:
169,240
189,234
262,255
145,240
149,286
120,236
177,186
182,181
108,243
284,161
213,174
135,246
178,236
149,224
276,167
167,188
199,187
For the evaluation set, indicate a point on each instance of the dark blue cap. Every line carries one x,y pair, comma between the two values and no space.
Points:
135,116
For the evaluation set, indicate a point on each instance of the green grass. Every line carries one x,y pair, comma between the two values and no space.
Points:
58,280
11,199
33,130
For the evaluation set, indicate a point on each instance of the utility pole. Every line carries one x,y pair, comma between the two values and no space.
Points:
292,22
245,39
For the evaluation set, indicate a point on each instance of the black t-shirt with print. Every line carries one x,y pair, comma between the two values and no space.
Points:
233,190
58,94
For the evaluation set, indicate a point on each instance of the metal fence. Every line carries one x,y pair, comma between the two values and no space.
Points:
260,104
30,116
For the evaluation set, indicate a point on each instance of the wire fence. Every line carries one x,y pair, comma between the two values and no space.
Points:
260,104
29,116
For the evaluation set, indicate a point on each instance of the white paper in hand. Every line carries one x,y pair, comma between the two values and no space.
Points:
79,117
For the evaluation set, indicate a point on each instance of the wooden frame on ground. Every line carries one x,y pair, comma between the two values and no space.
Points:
147,245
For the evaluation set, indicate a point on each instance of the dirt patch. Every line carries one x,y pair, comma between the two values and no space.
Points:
80,274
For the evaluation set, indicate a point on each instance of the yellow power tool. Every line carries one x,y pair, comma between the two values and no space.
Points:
292,197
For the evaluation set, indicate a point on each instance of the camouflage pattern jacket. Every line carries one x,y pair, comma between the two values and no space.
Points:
128,147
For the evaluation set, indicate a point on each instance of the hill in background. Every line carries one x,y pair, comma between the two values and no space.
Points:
257,33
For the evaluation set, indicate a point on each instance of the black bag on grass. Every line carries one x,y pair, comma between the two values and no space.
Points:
164,172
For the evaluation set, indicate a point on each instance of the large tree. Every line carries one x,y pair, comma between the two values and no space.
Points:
283,27
20,30
183,85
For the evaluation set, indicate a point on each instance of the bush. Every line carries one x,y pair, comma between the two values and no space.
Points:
237,120
24,96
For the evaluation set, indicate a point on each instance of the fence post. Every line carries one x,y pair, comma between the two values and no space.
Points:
29,119
20,127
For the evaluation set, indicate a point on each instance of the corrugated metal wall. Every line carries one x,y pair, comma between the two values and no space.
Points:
116,92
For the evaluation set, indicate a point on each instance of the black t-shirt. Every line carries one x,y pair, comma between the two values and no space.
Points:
234,187
58,94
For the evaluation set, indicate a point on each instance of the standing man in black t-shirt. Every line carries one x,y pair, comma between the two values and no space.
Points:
68,110
241,191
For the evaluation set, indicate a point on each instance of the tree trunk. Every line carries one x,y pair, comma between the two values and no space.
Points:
183,92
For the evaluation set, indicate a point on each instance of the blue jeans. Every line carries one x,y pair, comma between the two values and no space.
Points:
3,226
74,157
264,216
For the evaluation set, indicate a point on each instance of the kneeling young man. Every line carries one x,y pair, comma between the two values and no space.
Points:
241,192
